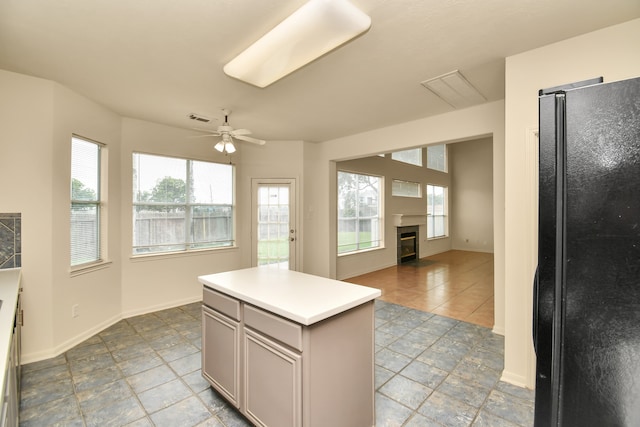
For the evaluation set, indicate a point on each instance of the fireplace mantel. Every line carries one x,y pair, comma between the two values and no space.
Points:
403,220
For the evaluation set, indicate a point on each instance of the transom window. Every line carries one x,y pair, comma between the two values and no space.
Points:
405,188
437,225
413,156
86,202
181,204
359,212
437,157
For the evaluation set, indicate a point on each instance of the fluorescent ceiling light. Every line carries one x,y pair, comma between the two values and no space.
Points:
316,28
455,90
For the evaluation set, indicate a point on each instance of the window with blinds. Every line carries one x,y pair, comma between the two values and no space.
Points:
86,205
181,205
437,211
359,212
437,157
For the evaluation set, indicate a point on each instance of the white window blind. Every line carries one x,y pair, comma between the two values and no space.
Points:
85,201
181,204
405,189
436,211
413,156
437,157
359,212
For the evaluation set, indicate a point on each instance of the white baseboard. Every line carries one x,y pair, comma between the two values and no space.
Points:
165,306
511,378
72,342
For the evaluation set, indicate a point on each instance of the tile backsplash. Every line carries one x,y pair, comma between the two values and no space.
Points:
10,240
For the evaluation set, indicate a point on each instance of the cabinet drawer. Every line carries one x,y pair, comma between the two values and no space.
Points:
222,303
273,326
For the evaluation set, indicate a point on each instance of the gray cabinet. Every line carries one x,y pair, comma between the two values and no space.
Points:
220,353
273,382
11,392
280,373
221,344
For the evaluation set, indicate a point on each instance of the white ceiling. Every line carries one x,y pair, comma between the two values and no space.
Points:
160,60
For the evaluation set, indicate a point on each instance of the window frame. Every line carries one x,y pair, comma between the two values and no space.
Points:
99,204
417,185
408,162
445,154
379,243
445,215
189,245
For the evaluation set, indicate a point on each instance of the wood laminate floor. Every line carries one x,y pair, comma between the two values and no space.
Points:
455,284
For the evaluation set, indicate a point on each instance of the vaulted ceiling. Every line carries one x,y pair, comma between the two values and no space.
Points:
160,60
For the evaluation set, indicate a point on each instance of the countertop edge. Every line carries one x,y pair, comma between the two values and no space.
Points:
367,294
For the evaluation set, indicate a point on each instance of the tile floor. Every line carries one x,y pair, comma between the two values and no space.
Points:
457,284
145,371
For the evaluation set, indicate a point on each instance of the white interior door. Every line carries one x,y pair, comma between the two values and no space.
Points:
274,223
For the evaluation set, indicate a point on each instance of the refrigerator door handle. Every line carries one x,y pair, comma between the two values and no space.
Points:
535,312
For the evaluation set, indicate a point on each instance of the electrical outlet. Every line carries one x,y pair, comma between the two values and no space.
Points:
74,310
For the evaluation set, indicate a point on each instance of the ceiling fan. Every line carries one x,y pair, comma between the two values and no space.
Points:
227,133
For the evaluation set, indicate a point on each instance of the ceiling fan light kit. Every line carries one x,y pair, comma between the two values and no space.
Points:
227,133
318,27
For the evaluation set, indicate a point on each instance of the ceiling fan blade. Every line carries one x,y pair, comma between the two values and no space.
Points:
241,132
209,135
250,139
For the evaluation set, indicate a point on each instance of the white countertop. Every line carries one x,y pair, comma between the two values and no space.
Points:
300,297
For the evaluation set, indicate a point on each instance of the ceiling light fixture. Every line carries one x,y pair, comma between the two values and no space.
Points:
454,89
226,145
318,27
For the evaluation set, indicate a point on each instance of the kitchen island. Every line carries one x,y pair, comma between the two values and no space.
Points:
290,349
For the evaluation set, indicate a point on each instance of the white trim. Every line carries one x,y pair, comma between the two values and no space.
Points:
531,188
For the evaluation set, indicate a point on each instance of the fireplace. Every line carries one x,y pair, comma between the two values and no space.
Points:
408,248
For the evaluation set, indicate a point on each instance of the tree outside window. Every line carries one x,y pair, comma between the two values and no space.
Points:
181,205
359,212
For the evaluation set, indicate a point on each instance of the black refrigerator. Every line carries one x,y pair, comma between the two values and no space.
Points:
586,326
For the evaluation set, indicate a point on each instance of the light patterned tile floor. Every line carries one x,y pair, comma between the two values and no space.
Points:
145,371
456,284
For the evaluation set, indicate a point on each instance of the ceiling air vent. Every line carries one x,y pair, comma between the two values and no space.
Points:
455,90
199,118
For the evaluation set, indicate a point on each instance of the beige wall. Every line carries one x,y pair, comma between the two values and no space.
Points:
275,160
457,126
156,282
37,117
470,204
612,53
26,168
471,198
37,120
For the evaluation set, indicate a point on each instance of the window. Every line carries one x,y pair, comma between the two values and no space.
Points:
436,211
181,205
405,188
86,205
437,157
413,157
359,212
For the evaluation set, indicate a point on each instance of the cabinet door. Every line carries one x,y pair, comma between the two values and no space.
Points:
221,353
273,382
